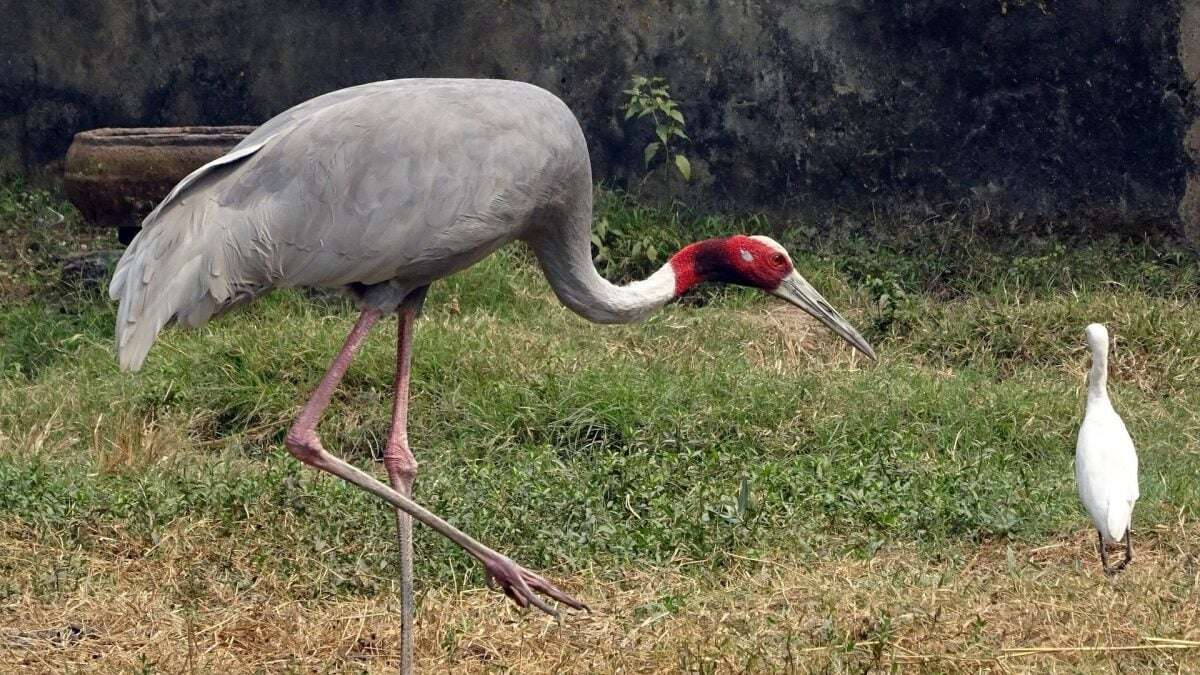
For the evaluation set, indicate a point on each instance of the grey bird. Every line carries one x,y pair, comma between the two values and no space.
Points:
382,189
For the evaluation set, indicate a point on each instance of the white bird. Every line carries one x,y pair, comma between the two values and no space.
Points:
1106,463
383,189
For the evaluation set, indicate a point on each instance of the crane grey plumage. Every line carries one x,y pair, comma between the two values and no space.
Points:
357,189
383,189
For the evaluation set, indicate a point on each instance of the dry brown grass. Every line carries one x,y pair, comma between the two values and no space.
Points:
791,338
995,607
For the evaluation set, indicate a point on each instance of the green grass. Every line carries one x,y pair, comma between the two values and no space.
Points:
566,442
704,433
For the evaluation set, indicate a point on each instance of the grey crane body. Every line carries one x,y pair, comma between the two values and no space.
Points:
381,188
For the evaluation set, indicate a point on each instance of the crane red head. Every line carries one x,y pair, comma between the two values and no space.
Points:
760,262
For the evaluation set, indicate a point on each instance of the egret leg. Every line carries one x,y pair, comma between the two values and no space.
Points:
401,468
1103,553
1128,549
518,583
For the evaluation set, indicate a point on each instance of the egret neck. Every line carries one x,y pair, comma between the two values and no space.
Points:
1098,377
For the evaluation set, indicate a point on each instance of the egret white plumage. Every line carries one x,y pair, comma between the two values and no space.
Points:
1106,463
383,189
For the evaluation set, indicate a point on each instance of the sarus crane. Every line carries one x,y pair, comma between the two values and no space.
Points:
382,189
1106,463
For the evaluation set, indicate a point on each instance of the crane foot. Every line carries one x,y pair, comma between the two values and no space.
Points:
522,586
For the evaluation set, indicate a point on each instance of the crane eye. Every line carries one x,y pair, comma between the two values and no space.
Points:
778,259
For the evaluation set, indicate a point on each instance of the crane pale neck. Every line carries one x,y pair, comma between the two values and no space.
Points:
566,259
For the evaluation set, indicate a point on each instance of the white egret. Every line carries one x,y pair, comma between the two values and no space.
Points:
1106,463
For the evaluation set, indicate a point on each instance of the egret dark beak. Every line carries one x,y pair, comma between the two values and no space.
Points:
800,293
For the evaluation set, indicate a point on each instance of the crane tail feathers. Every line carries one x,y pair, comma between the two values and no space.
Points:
146,307
176,268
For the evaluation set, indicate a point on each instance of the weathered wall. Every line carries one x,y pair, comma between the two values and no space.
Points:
1189,57
1072,107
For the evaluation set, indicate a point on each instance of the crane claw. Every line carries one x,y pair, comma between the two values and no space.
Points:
522,586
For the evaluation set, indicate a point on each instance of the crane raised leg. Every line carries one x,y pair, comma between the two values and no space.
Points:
518,583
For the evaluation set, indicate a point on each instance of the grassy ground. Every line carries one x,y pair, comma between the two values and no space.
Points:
726,484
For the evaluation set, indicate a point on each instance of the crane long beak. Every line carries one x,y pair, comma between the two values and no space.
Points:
796,290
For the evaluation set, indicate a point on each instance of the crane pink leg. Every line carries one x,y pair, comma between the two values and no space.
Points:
303,433
398,459
401,468
518,583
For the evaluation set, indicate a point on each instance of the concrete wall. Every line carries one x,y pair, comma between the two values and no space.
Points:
1067,108
1189,57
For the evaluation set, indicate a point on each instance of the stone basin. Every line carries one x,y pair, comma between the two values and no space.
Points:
117,176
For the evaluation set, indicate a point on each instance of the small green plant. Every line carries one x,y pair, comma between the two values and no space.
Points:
620,250
898,310
629,240
650,96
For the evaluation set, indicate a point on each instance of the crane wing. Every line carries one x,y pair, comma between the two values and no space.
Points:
399,182
237,154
